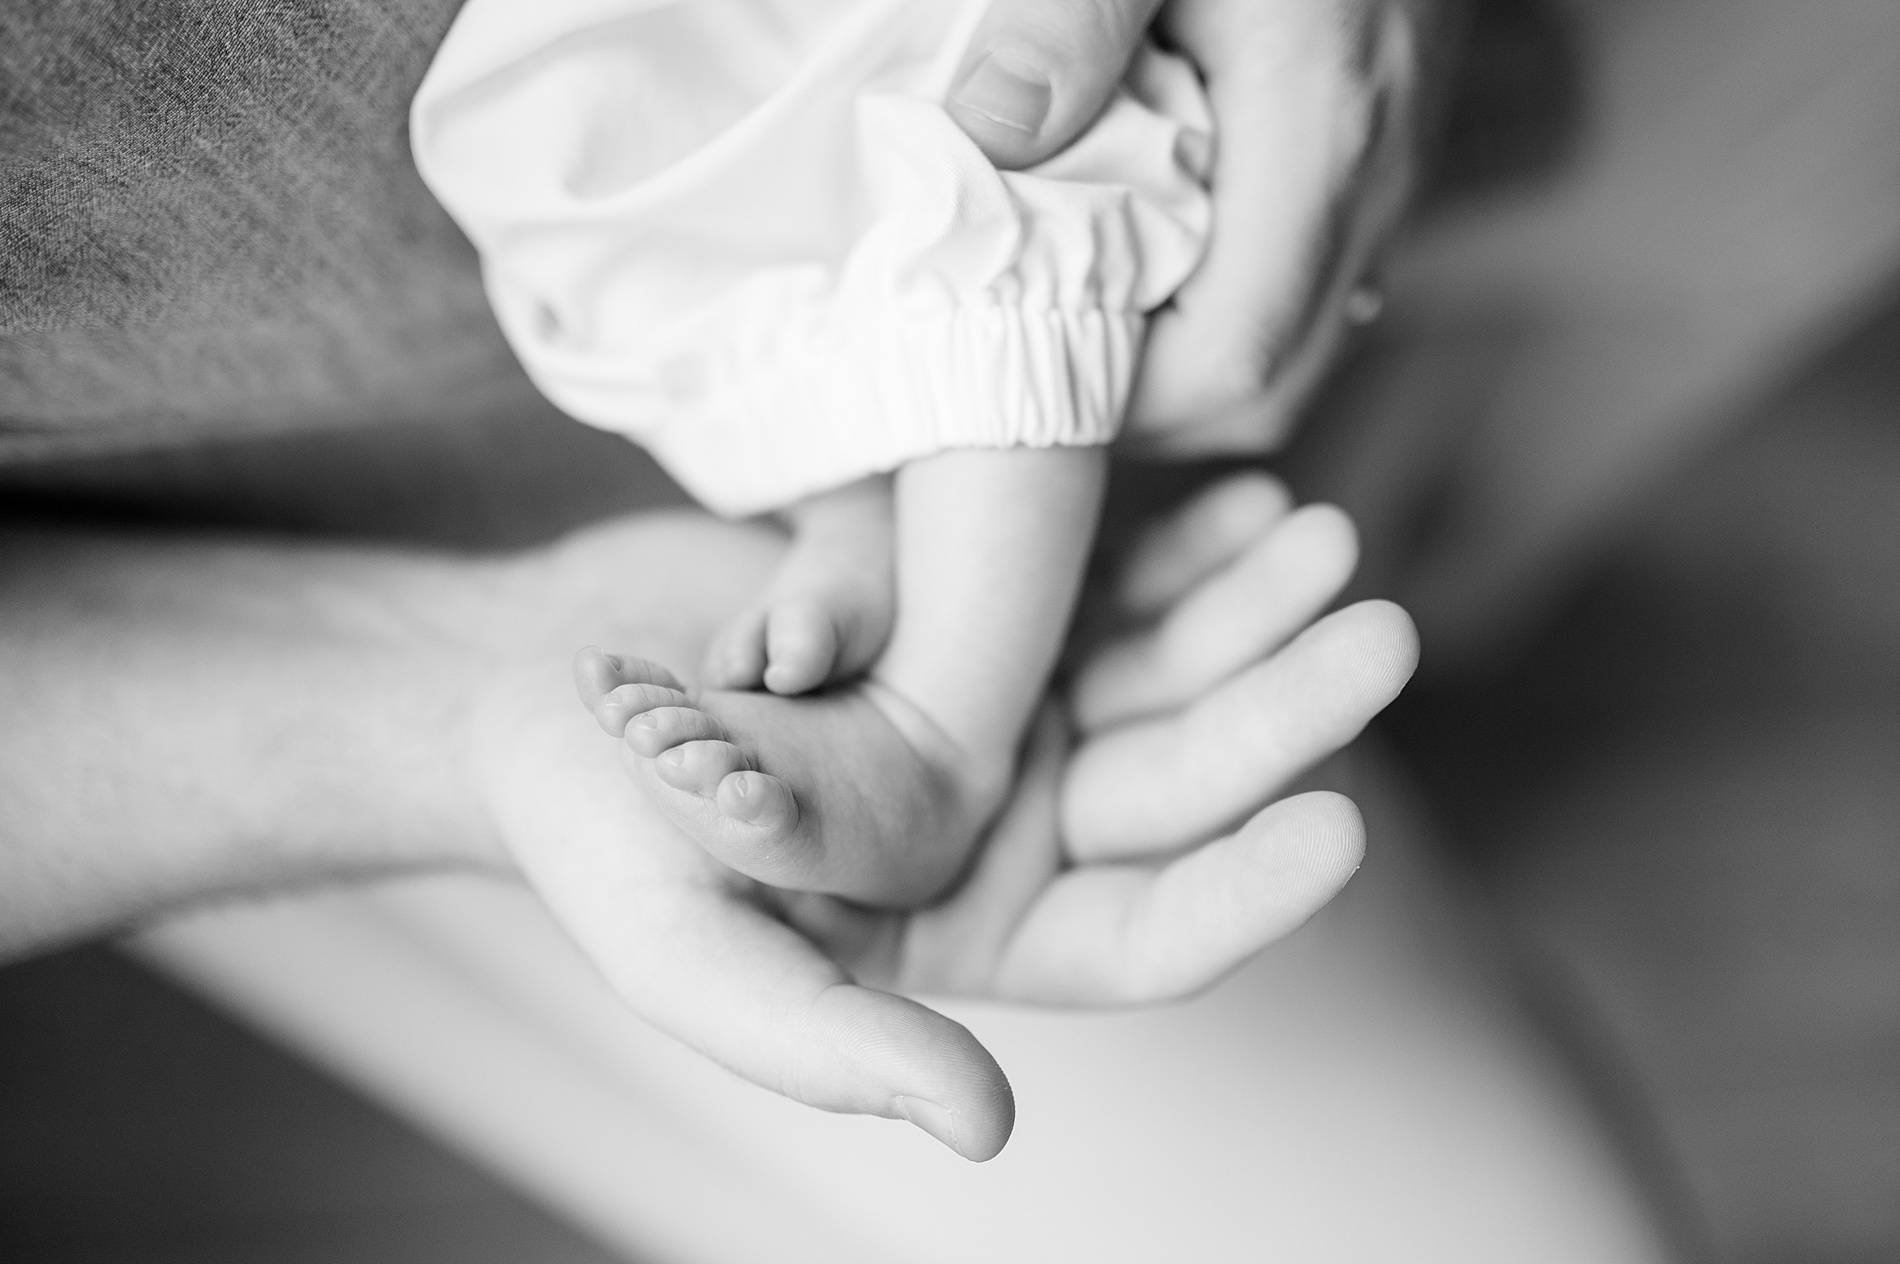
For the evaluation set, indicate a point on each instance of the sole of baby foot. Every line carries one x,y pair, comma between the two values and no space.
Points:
845,793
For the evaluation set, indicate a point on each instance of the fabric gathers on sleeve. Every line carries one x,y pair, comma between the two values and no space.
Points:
747,234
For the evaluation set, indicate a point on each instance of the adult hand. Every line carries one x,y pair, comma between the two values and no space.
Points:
1315,102
783,989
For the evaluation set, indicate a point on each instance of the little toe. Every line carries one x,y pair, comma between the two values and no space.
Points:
759,800
613,711
801,643
595,672
662,728
736,658
698,767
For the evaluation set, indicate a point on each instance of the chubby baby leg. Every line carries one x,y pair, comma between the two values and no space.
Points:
828,610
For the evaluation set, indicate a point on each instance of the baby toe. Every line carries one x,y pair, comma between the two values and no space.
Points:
598,673
614,711
801,642
698,767
761,801
662,728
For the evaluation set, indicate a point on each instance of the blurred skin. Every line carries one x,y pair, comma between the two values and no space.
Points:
1316,106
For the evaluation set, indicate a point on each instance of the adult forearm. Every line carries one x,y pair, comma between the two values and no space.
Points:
183,718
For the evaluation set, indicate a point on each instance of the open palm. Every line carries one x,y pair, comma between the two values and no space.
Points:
1115,875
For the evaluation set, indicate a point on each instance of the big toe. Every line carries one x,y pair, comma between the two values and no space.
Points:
801,646
761,801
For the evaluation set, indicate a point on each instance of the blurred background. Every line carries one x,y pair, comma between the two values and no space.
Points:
1626,441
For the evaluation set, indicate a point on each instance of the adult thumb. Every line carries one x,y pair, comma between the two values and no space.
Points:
1037,72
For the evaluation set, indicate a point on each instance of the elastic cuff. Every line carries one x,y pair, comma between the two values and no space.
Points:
865,396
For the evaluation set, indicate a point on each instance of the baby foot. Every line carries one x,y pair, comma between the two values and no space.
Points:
827,610
851,792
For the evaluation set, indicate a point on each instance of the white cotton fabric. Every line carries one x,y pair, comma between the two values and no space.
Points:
747,234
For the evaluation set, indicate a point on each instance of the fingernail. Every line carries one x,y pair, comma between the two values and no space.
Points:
1007,88
929,1116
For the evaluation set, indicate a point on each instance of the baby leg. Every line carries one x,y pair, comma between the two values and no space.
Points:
828,609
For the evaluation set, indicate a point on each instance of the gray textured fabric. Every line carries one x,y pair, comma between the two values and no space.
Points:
210,223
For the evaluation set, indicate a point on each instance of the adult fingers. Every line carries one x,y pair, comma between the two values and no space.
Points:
1127,934
1235,618
1197,539
756,996
1037,72
1309,176
747,991
1157,785
953,948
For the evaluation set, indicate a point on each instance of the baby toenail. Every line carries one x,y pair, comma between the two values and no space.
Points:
647,720
676,756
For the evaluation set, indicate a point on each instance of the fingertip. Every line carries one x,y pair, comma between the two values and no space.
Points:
1007,148
978,1138
1034,79
1200,537
935,1074
1001,99
1326,534
1248,503
1242,893
1321,837
1391,644
1114,685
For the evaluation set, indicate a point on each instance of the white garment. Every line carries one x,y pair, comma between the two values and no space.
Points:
747,234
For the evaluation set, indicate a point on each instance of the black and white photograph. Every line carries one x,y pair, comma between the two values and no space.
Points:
949,631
